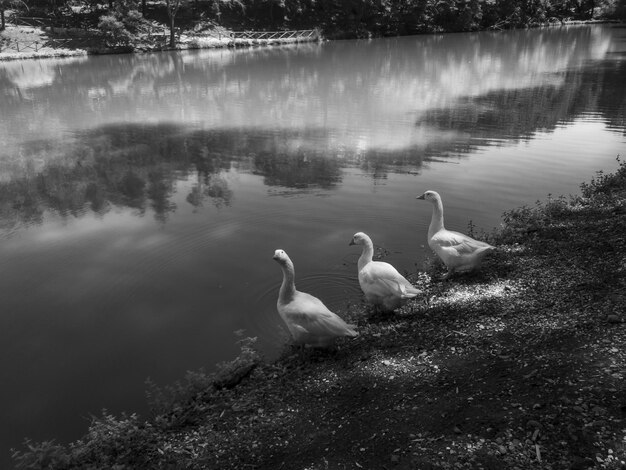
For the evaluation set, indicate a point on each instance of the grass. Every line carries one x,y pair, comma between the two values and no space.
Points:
518,366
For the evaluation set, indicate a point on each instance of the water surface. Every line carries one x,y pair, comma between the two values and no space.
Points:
142,197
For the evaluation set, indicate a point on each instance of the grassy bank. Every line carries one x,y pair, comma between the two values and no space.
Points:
518,366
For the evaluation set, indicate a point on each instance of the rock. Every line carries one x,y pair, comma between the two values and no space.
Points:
533,424
579,463
614,319
598,410
457,430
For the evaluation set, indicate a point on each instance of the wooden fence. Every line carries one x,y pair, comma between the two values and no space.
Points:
35,22
36,46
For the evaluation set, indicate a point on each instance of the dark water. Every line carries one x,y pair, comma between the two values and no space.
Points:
142,197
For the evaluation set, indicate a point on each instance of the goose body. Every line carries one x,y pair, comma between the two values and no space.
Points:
381,283
308,320
458,252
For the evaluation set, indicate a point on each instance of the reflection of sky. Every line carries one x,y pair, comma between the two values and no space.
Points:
29,74
368,97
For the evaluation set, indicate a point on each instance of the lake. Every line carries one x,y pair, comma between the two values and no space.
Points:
142,196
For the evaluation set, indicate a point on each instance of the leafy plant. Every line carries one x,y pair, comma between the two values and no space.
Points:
46,454
603,185
114,30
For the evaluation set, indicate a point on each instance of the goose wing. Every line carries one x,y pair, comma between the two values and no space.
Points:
382,279
307,313
462,244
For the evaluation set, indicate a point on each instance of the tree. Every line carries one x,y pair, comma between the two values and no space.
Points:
6,5
172,9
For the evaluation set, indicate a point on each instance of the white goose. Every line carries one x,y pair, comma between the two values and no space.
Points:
381,283
309,321
457,251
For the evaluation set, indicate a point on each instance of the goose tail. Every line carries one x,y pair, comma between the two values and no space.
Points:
486,249
351,331
408,292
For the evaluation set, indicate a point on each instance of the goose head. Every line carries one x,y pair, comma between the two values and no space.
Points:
359,238
281,257
432,196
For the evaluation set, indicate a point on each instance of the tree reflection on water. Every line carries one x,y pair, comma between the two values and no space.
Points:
307,113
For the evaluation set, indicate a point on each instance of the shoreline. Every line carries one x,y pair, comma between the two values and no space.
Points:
519,365
186,42
195,42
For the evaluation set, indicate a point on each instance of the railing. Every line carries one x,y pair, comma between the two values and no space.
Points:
27,21
265,36
308,34
24,46
20,46
33,21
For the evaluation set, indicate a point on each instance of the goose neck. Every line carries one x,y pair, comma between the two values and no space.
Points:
288,287
367,254
436,221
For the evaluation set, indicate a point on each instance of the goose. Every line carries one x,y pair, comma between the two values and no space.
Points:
457,251
381,283
308,320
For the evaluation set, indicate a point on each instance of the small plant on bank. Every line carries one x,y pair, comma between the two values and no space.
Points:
603,185
46,454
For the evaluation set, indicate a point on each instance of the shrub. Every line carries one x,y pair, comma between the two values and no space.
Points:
115,32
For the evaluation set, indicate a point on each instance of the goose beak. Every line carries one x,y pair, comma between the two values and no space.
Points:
420,197
351,243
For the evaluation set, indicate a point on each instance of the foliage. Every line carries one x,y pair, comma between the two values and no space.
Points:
114,31
44,454
110,441
364,18
171,404
9,4
120,26
599,192
163,400
603,185
346,18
